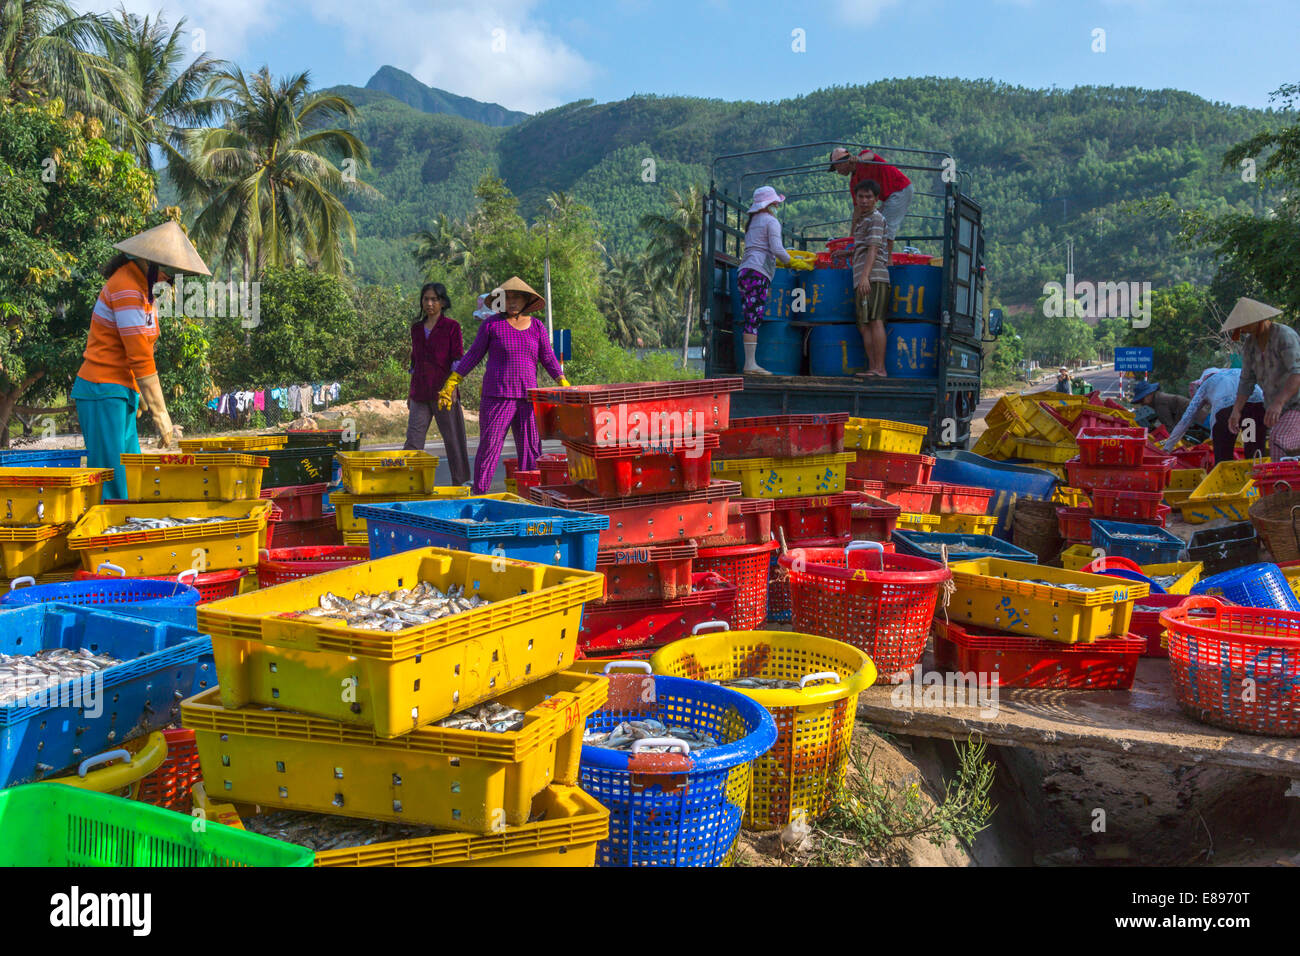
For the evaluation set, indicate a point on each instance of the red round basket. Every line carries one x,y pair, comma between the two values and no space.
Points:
745,566
170,785
211,585
289,564
880,603
1236,667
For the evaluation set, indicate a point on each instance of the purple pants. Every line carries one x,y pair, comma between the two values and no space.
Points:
496,416
754,287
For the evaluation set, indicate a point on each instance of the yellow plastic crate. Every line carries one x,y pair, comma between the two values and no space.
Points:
967,524
1228,491
803,773
356,538
387,472
1293,579
565,827
217,547
30,496
192,476
1070,497
1045,451
1182,482
463,780
1187,572
396,681
506,496
248,581
1009,414
342,503
234,443
914,521
997,593
511,487
1046,426
35,550
875,434
988,444
786,477
1078,556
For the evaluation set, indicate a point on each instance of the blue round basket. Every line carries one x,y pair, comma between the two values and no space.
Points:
679,818
141,591
1255,585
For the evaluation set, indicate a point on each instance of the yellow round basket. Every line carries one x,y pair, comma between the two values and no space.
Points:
803,772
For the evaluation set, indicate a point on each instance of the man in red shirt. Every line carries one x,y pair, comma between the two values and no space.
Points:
895,187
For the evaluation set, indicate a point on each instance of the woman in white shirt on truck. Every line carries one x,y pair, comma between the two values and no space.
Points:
763,249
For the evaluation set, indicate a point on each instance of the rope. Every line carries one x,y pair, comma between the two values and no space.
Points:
949,587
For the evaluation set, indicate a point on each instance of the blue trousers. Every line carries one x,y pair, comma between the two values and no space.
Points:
107,417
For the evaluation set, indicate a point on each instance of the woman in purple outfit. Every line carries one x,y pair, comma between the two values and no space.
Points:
514,342
436,343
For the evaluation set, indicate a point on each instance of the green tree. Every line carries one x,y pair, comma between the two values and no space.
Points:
673,249
48,50
266,185
1184,335
625,303
1108,334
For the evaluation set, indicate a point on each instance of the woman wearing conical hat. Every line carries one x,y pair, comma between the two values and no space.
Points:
514,342
118,375
1270,358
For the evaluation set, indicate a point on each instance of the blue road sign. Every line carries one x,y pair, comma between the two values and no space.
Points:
562,342
1134,359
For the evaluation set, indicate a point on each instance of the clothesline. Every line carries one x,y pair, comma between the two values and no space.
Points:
291,398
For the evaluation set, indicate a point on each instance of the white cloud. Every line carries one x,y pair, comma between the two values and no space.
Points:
863,12
226,25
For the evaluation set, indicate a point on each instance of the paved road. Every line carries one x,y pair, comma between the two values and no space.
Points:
1105,380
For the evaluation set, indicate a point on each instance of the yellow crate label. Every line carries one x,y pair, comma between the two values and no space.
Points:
310,467
392,462
539,528
1013,616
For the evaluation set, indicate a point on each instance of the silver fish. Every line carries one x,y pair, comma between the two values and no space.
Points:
394,610
623,736
23,675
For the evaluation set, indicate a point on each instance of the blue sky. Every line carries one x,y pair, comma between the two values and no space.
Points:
536,54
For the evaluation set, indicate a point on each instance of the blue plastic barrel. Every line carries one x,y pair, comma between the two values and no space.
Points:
911,349
779,296
780,348
835,350
915,292
828,296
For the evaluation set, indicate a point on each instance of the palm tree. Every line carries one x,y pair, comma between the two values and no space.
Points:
266,184
673,250
47,49
169,100
447,247
625,304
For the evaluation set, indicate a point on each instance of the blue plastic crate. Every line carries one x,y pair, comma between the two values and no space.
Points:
525,532
1150,545
925,544
104,591
54,729
42,458
1256,585
690,818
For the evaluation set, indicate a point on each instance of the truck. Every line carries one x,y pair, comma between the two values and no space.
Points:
944,220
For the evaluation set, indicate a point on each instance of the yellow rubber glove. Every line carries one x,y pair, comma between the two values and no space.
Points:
448,393
564,382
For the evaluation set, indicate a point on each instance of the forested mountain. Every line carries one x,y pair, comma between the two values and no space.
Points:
401,85
1047,165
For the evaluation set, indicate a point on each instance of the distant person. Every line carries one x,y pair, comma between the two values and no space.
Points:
870,276
514,342
763,249
895,194
436,344
1217,388
1270,358
1168,408
1064,384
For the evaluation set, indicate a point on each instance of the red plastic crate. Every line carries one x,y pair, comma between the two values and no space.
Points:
648,519
298,502
1146,624
554,469
749,521
1151,475
1111,446
910,259
892,467
607,414
864,484
1107,664
525,480
874,518
170,784
964,500
290,564
1076,522
827,518
1089,419
646,574
1270,473
1129,505
300,534
745,566
784,436
620,471
626,654
512,465
640,624
922,499
1199,456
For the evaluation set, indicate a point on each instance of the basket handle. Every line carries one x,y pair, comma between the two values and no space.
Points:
875,546
823,675
1198,602
1101,565
1282,481
1295,533
636,664
180,578
24,581
105,757
710,625
264,554
677,742
112,567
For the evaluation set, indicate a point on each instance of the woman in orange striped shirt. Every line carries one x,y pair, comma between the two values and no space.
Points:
118,375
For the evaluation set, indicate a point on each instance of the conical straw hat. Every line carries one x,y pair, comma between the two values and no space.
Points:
1248,312
516,284
168,246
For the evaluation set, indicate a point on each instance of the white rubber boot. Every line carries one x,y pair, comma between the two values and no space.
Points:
751,346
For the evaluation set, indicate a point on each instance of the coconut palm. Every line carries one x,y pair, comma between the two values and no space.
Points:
447,247
47,49
265,182
169,96
625,304
673,250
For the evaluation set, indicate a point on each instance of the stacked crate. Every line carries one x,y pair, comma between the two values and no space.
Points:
377,477
1123,477
218,557
642,454
319,716
41,505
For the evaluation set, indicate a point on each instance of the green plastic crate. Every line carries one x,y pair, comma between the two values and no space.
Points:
298,466
333,437
49,824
